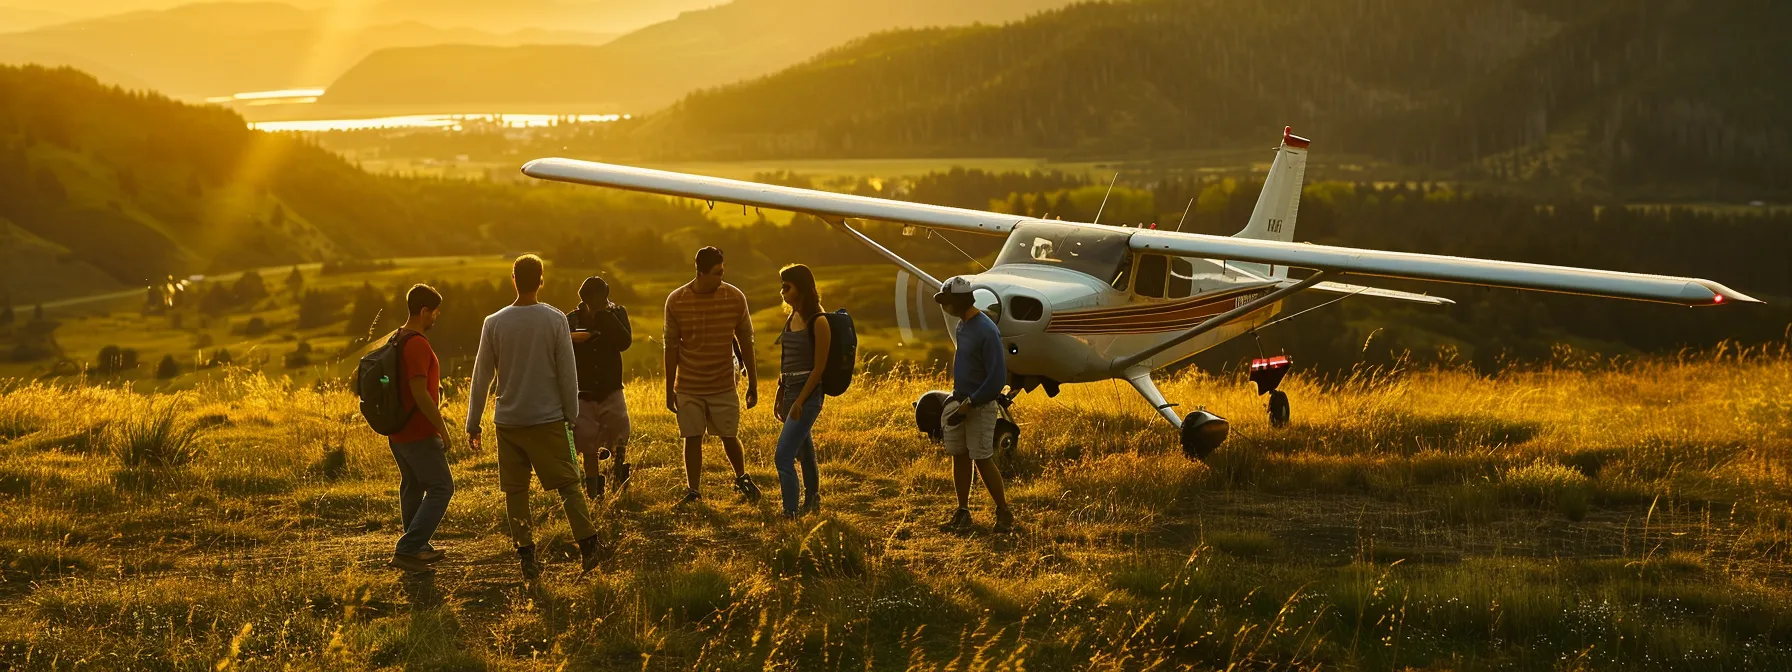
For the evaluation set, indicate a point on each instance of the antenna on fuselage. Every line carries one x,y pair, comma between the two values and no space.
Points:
1104,198
1185,211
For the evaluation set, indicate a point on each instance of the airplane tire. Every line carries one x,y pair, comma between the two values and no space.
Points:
1007,447
1202,433
1279,410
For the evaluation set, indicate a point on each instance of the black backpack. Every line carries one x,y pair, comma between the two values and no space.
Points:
381,384
843,352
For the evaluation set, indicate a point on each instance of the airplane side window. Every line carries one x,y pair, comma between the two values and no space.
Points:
1152,270
1182,278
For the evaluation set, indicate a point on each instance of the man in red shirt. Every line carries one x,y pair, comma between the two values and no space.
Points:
421,448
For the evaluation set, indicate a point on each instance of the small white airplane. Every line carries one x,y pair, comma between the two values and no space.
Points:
1079,303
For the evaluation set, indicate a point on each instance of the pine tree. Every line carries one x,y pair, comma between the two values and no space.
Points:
295,281
168,368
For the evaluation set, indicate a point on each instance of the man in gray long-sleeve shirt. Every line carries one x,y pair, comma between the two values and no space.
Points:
528,347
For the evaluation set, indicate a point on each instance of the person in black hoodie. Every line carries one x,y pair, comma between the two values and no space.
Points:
600,332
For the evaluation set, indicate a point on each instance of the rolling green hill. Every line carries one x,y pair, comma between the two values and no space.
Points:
653,66
1623,96
138,186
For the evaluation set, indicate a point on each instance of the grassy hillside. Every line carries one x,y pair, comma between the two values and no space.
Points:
651,67
140,187
210,49
1626,97
1426,519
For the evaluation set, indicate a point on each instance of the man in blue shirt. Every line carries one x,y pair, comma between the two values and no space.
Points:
969,419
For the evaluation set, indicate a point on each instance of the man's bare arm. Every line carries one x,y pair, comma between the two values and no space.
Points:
431,412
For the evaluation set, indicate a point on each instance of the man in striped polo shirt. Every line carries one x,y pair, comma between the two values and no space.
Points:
707,324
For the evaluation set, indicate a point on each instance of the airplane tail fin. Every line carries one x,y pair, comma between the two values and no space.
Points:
1279,203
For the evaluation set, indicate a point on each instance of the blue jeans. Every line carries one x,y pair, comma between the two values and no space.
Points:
796,444
424,489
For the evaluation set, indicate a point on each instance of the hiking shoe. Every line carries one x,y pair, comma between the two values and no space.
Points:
410,564
1004,521
690,497
594,487
587,554
811,503
431,556
960,523
744,484
531,568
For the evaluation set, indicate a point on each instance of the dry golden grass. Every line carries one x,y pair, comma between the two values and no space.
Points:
1612,517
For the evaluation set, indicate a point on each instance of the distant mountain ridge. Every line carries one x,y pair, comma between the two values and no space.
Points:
210,49
1626,96
654,66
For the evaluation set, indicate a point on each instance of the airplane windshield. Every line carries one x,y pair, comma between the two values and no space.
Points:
1095,251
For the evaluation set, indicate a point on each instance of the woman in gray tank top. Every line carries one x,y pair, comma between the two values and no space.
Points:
805,340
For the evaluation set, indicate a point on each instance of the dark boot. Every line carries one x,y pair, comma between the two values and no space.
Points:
531,568
620,473
811,503
588,554
744,484
594,487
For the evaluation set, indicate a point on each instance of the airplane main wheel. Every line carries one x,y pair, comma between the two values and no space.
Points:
1202,433
1279,411
1007,447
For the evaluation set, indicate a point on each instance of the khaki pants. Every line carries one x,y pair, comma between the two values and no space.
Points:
713,414
547,451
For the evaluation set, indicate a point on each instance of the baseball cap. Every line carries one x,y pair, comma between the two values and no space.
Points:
953,287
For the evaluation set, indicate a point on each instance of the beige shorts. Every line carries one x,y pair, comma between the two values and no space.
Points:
544,449
976,435
712,414
601,424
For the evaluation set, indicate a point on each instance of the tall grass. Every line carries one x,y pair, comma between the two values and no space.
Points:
1544,519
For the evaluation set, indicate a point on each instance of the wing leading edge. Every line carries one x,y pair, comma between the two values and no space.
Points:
1461,270
770,196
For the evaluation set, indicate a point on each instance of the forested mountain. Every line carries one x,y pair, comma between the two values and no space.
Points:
132,186
598,16
1626,96
214,49
653,66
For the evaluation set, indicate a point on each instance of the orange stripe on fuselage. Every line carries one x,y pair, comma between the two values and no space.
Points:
1151,317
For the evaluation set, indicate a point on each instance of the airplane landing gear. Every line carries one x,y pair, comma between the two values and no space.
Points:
1268,374
1202,432
1279,411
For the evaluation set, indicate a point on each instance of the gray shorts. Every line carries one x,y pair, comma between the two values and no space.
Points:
976,435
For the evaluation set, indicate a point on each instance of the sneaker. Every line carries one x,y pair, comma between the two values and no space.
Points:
594,487
431,556
531,568
410,564
690,497
961,522
744,484
587,554
1004,521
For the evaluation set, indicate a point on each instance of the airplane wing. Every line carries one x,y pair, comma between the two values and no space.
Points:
770,196
1461,270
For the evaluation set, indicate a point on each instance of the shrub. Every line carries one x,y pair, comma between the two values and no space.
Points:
157,439
168,368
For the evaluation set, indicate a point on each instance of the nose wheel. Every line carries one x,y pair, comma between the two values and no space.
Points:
1279,411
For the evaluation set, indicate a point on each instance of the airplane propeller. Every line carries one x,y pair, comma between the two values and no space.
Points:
913,304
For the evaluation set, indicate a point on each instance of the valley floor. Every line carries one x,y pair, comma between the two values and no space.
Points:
1634,516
